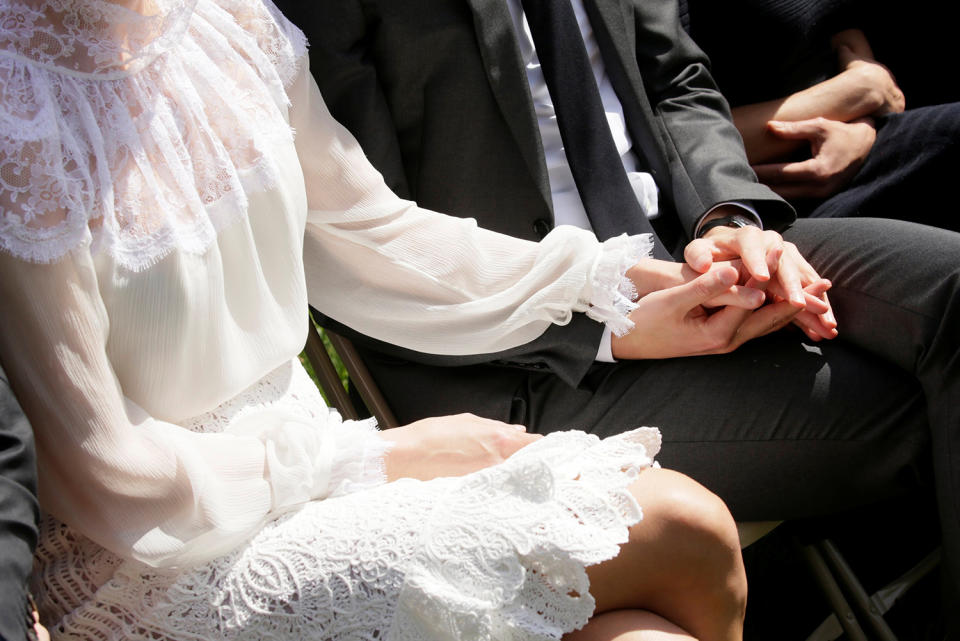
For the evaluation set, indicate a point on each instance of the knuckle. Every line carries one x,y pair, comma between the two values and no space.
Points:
702,289
504,444
721,342
772,238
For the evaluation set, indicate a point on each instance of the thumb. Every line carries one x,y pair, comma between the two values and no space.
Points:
793,130
703,288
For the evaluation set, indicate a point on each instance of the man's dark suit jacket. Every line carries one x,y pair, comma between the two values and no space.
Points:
437,94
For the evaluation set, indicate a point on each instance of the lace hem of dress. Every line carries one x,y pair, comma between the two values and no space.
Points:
156,158
498,554
613,294
524,578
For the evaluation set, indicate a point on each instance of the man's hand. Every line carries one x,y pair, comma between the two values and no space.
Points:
774,264
837,149
675,322
451,446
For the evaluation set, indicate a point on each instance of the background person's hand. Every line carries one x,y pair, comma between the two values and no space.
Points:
451,446
38,629
876,81
837,150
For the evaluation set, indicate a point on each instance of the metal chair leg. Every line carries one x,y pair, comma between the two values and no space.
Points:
865,608
327,375
361,378
832,592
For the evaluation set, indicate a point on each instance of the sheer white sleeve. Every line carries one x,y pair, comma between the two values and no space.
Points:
139,486
437,283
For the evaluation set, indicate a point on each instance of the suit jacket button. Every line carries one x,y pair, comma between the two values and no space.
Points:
541,227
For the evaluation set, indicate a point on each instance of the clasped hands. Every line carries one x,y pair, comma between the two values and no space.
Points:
737,284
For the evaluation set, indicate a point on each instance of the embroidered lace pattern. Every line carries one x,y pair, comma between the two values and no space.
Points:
109,138
406,561
613,293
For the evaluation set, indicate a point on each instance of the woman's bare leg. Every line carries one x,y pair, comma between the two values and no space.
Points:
629,625
682,561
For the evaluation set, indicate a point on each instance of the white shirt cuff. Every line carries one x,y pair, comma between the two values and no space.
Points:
605,350
750,211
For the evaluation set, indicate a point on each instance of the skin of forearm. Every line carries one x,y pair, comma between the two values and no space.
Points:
845,97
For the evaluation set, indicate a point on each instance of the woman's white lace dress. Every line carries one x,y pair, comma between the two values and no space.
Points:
168,174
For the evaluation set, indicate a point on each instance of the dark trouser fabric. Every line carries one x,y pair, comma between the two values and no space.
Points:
909,173
783,427
18,514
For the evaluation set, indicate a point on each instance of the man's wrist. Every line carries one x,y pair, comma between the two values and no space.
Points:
726,209
735,220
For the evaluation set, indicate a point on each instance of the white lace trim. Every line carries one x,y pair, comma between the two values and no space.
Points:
524,577
613,295
95,97
496,555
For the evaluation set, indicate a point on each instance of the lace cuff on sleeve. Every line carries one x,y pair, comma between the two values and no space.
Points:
612,294
360,458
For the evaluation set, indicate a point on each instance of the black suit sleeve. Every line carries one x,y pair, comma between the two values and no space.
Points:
567,351
707,162
340,33
18,513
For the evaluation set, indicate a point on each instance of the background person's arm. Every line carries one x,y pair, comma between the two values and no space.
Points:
863,87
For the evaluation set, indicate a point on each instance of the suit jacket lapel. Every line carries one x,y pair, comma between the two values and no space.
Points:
505,72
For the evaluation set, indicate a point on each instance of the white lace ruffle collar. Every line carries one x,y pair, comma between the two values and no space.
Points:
120,125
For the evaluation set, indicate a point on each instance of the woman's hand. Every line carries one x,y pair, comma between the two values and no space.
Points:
652,275
451,446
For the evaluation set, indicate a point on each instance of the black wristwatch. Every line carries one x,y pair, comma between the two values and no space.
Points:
733,220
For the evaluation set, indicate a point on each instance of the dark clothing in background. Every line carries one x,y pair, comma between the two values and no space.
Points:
786,44
18,514
767,49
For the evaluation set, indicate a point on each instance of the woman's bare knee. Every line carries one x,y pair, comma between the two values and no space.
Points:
629,625
682,560
680,509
